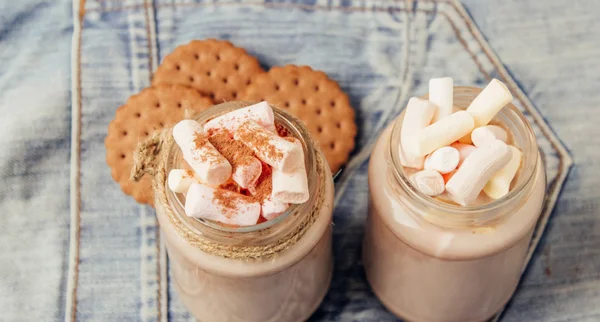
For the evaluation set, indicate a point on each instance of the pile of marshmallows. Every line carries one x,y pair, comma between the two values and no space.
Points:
205,186
436,140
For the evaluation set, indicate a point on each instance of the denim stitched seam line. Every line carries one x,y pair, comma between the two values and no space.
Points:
564,158
75,193
261,4
152,63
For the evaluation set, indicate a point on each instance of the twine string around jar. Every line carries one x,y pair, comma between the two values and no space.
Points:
151,158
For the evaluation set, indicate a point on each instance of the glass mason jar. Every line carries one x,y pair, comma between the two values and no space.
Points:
428,260
265,272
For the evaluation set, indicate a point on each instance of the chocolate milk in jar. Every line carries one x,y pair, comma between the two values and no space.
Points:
277,270
428,260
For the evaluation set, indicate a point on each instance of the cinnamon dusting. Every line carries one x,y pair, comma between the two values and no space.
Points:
228,201
236,152
260,140
207,154
199,140
230,185
264,184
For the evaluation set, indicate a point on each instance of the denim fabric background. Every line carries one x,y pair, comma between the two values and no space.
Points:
73,247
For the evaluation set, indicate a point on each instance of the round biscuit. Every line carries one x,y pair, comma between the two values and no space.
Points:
151,109
315,99
216,68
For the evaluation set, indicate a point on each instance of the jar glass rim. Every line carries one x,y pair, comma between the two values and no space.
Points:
291,124
529,147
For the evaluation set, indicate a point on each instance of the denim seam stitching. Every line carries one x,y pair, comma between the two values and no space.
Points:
266,5
565,161
151,62
75,195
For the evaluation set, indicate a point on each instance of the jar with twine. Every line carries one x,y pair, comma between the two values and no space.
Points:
278,270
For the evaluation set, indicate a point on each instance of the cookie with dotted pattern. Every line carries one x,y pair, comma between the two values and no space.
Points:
216,68
143,113
315,99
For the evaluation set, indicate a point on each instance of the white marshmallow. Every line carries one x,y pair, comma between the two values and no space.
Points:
468,181
238,210
463,151
210,166
441,94
499,185
429,182
261,113
247,172
290,187
278,152
443,160
489,102
442,133
485,134
179,180
272,209
418,115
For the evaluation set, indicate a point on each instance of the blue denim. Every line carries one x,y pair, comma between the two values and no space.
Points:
73,247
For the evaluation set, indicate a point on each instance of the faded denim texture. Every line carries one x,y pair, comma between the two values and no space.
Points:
73,247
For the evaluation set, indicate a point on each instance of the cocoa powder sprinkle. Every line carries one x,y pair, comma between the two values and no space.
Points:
236,152
260,141
228,201
264,184
199,140
208,155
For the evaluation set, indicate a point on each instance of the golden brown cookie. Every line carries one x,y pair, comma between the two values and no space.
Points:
151,109
216,68
315,99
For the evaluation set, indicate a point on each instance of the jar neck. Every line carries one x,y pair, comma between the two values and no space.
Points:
269,231
455,216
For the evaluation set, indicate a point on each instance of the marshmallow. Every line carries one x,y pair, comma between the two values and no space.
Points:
463,151
417,116
179,180
261,113
280,153
221,205
442,133
429,182
499,184
290,187
489,102
468,181
485,134
247,172
210,166
441,94
272,209
443,160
